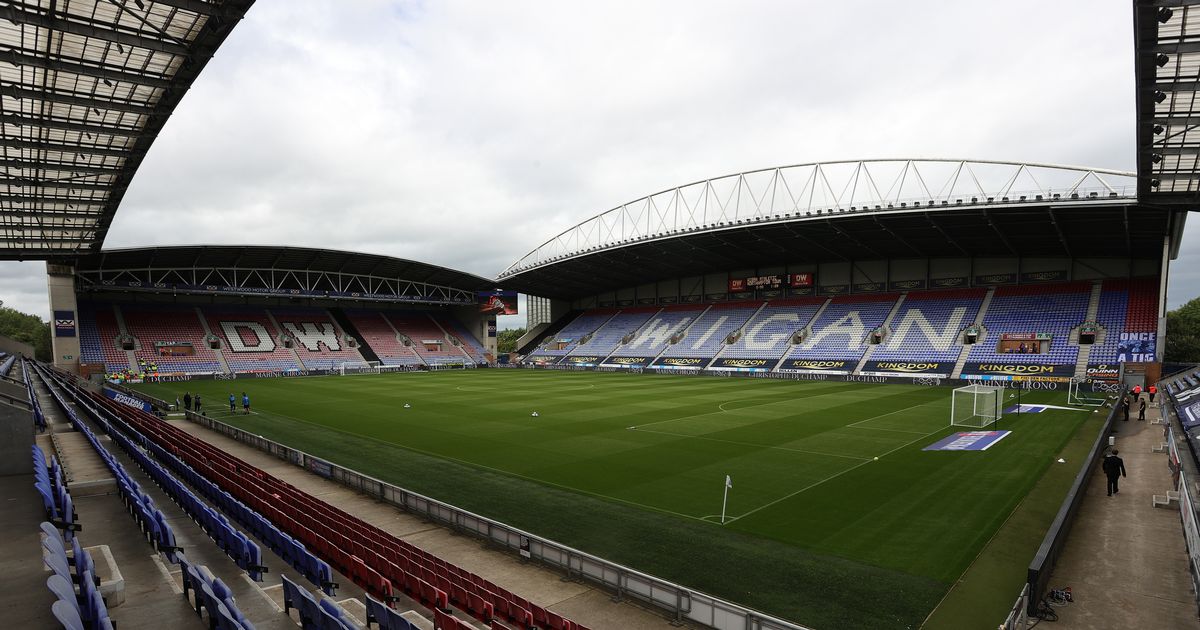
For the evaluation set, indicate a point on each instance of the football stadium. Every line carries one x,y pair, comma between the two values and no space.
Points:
872,393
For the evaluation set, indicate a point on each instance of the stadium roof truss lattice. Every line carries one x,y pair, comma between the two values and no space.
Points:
284,272
819,192
85,88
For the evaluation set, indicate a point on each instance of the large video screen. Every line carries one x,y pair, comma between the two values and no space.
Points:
497,302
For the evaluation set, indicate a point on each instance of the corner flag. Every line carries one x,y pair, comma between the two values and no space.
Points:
725,498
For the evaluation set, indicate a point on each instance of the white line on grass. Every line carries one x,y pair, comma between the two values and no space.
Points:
724,410
751,444
884,415
883,429
830,478
484,467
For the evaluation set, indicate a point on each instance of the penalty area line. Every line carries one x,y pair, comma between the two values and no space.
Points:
750,444
831,477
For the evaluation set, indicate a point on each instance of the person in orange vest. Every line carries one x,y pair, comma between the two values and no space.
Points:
1153,390
1137,392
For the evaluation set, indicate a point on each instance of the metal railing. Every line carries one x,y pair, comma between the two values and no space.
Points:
678,602
1056,537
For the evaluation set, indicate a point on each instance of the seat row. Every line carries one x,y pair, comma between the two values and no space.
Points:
56,499
243,550
223,614
39,419
211,596
372,558
73,580
318,614
149,518
6,364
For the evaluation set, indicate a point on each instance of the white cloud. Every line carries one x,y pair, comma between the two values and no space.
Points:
466,133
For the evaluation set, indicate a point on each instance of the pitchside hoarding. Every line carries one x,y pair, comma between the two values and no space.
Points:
1103,371
834,366
908,367
627,362
742,364
128,401
681,363
997,369
581,360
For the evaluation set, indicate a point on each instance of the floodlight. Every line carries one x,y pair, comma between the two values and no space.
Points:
1156,158
1158,129
1159,96
1164,14
1161,60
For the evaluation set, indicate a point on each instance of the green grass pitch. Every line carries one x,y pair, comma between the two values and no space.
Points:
632,468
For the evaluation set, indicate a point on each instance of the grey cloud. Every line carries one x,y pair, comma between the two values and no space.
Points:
466,133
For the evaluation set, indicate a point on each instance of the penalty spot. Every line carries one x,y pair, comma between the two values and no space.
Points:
407,406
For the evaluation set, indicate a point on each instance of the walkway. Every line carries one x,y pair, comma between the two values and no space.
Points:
577,601
1125,560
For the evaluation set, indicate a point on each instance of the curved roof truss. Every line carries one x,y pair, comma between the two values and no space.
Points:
85,88
817,190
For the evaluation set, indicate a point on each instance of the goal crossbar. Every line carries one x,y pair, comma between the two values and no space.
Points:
976,406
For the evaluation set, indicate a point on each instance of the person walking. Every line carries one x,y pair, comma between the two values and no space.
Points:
187,401
196,402
231,403
1125,407
1141,411
1152,390
1114,469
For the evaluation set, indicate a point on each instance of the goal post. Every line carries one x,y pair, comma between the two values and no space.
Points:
358,367
976,406
1076,395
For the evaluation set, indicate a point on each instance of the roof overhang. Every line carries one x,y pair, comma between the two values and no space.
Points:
85,88
265,271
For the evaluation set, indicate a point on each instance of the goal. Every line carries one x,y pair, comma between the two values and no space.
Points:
359,367
1076,395
976,406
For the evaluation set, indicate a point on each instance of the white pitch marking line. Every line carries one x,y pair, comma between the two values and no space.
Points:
723,410
883,415
263,592
751,444
835,476
883,429
167,574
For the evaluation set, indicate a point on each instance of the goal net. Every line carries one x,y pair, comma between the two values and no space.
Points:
359,367
1077,396
976,406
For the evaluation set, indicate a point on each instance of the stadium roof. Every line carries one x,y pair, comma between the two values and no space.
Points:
269,270
846,211
85,88
1167,72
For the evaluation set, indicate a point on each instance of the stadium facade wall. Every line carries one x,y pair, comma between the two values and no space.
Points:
12,346
64,324
679,602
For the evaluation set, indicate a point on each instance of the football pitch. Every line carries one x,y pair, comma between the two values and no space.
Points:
836,517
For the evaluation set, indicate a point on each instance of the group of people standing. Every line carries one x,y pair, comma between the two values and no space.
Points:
1135,397
1114,466
191,403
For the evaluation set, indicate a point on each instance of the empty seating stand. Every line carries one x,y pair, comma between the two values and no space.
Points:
419,328
319,341
769,332
1049,308
375,560
565,340
609,336
249,340
929,324
73,574
379,335
163,330
708,333
840,333
657,333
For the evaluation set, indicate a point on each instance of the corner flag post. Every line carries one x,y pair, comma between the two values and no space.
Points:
725,499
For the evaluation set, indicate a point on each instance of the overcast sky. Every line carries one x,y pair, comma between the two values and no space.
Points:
466,133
